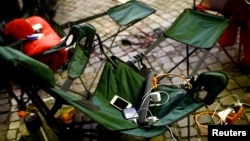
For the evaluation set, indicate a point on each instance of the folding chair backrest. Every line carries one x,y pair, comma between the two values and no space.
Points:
121,80
83,37
128,10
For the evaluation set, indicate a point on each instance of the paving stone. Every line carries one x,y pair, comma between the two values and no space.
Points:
193,59
184,122
4,95
243,80
4,127
210,60
14,125
215,67
227,101
11,134
248,117
177,59
14,108
5,108
205,119
4,117
4,101
184,132
3,135
14,116
238,94
215,106
13,101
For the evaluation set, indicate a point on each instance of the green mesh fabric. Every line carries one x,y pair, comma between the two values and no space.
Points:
197,29
130,12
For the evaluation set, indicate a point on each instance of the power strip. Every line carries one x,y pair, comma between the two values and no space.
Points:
233,117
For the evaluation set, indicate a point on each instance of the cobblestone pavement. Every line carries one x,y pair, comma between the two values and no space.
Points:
162,58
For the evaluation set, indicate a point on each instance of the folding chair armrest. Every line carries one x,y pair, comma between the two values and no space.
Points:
212,83
23,68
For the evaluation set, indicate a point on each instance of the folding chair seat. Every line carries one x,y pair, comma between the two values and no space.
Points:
18,67
127,14
197,29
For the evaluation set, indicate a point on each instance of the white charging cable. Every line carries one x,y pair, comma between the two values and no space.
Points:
171,133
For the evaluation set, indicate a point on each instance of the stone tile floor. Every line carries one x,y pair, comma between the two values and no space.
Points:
162,58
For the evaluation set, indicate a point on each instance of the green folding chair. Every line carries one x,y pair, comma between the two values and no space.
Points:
127,14
83,37
199,30
195,29
117,78
124,15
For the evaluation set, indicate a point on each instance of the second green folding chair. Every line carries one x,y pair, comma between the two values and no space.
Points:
195,29
127,14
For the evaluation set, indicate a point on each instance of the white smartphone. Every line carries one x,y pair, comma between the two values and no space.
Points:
120,103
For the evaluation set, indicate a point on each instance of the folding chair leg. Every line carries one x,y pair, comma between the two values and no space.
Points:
188,118
115,35
200,62
187,54
66,85
155,44
137,57
239,52
230,57
182,60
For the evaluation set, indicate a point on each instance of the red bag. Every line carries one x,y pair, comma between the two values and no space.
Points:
229,36
22,28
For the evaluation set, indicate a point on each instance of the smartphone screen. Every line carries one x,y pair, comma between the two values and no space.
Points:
120,103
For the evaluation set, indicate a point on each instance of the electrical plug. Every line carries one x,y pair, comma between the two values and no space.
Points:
155,97
152,120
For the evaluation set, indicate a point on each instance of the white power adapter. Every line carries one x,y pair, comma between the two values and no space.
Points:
155,97
152,120
224,113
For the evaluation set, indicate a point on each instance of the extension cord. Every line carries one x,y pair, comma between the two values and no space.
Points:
232,117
